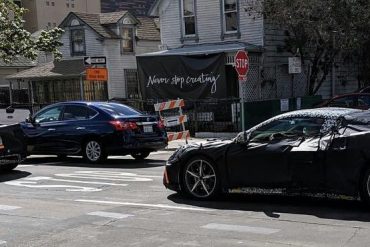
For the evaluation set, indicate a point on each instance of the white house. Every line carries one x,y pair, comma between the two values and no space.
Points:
118,36
201,28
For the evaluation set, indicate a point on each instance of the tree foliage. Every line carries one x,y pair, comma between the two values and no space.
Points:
319,29
16,41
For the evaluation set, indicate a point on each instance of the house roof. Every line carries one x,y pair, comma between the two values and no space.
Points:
206,49
19,62
93,21
147,29
56,69
112,17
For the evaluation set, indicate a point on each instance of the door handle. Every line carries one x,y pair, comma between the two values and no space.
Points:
80,128
51,129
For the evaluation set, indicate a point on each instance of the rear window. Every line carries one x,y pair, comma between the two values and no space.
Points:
118,109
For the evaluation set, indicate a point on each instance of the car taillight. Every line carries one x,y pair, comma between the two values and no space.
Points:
160,124
120,126
1,143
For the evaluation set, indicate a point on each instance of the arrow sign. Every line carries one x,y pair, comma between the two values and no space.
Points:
95,61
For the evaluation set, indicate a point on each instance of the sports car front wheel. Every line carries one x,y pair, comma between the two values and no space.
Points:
201,179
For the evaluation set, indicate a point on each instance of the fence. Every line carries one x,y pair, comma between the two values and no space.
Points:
213,115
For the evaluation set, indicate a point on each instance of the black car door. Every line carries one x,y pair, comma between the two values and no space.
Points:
45,132
276,155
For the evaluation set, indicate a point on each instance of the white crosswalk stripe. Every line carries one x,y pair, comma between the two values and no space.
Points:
238,228
110,215
8,208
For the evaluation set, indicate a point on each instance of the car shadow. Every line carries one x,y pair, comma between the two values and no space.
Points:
112,162
13,175
275,205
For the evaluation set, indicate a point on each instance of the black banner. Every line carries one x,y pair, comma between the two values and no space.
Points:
185,77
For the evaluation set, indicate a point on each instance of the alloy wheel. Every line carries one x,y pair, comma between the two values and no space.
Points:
200,178
93,151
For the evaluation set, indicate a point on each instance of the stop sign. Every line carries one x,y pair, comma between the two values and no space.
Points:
242,64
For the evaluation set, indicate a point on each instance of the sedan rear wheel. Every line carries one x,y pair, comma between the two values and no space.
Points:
93,152
200,179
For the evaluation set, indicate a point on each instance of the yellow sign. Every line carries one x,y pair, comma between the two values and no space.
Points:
97,74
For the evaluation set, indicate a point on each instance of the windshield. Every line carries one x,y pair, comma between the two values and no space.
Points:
118,109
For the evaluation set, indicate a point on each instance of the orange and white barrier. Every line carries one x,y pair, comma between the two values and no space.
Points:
169,105
174,120
172,136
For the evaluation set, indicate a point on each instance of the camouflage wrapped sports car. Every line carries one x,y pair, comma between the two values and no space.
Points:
318,150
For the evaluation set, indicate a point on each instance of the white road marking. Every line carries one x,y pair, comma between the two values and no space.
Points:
111,215
25,166
72,181
31,184
2,243
161,152
8,208
161,206
106,175
238,228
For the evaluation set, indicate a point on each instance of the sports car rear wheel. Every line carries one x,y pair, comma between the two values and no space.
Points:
365,188
200,179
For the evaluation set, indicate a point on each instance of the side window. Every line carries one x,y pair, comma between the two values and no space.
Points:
75,112
347,102
288,128
50,115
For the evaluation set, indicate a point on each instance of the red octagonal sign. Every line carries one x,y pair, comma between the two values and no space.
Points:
242,64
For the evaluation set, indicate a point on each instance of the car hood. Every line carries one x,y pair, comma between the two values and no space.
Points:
214,146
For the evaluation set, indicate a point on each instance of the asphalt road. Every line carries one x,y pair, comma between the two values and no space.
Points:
47,202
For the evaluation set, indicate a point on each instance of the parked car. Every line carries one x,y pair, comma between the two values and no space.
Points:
94,130
318,150
364,90
12,147
354,100
11,115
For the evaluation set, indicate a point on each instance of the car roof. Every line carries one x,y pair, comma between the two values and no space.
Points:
326,112
349,94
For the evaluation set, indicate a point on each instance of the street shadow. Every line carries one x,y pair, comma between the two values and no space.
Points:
274,205
111,162
13,175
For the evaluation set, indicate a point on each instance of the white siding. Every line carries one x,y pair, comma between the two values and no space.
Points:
143,46
208,24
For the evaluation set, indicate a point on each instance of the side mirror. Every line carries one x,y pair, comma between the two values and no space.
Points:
243,138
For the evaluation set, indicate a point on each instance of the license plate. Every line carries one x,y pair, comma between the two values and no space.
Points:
148,128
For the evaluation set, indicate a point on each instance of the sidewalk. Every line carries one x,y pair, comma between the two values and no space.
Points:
172,146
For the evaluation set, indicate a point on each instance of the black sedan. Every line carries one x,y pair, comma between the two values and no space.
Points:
12,148
319,150
94,130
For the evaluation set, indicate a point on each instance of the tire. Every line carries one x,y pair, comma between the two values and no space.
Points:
93,152
8,167
140,155
365,188
201,179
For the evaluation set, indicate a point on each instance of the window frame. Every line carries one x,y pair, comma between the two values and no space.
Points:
183,25
72,30
132,28
224,12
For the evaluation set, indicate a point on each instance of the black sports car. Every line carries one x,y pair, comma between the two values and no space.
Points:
12,147
318,150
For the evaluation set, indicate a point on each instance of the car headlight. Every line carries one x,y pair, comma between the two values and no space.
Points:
176,155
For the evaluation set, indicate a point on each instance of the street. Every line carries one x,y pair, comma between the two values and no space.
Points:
48,202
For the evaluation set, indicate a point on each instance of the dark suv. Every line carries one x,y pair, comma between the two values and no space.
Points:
94,130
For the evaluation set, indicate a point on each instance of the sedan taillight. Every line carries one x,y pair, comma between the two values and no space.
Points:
160,124
121,126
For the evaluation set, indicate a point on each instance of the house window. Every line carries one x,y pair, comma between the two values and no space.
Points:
52,3
127,34
78,42
132,84
47,3
188,15
230,10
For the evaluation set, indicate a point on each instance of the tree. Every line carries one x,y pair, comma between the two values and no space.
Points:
16,41
320,30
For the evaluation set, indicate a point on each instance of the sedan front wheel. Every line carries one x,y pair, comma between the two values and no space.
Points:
200,179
